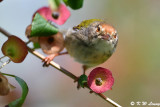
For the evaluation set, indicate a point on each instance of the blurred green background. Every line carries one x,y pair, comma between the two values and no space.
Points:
135,64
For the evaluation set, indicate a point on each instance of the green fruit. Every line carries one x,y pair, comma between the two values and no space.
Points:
15,49
82,81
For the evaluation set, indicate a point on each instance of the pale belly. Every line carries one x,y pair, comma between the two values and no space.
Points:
89,55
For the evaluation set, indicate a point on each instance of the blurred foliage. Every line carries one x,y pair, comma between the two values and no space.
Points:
74,4
19,102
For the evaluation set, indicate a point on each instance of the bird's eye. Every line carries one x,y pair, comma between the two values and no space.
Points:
98,29
115,35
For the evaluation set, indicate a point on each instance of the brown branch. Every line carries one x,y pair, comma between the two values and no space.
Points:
55,65
58,67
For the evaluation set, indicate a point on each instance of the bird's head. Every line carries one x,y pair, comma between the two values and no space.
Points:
97,29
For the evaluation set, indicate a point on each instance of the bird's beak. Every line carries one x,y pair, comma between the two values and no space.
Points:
105,37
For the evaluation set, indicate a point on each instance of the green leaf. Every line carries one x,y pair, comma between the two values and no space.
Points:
74,4
82,80
19,102
66,2
36,45
41,27
54,4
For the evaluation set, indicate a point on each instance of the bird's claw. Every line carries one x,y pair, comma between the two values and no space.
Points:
45,64
48,59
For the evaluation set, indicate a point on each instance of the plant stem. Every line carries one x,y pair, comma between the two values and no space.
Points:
2,58
58,67
55,65
5,63
4,32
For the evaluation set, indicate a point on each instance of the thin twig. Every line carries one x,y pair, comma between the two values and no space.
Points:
58,67
2,58
28,42
4,32
55,65
5,63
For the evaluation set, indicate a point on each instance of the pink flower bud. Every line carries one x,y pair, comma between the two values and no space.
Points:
100,80
58,16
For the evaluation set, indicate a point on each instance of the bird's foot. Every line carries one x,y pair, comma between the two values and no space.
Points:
84,67
63,53
49,58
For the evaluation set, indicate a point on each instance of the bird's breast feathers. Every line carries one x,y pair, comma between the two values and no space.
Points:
90,55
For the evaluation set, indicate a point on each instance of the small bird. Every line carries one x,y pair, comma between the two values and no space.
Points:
91,43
